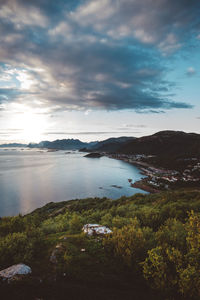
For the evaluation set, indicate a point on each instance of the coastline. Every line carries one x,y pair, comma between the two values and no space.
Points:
142,186
139,184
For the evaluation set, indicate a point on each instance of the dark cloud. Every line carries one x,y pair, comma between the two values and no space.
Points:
164,23
93,54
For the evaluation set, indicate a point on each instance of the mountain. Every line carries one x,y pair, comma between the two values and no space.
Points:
12,145
109,145
65,144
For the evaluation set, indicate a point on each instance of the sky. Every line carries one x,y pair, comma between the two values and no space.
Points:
92,69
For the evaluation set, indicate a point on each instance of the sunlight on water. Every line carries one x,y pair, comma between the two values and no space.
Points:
32,178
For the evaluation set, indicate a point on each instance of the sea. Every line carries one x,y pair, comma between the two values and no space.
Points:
30,178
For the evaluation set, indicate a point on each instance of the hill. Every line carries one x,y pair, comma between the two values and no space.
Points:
171,148
109,145
152,253
175,143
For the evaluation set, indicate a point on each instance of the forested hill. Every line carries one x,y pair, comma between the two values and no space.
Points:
153,251
111,144
175,143
172,149
164,143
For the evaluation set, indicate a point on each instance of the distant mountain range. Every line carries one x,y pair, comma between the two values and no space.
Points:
111,144
167,146
108,145
14,145
65,144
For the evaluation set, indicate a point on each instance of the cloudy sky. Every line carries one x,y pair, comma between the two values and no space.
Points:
92,69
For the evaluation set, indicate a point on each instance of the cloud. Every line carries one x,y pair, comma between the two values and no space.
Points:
8,94
130,126
91,55
154,111
22,15
93,76
191,71
88,132
164,23
10,131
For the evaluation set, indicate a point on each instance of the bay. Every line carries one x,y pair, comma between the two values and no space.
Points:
30,178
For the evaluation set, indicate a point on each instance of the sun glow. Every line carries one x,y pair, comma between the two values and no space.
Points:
25,79
31,124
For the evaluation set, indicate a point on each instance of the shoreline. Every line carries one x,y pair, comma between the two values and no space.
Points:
139,184
142,186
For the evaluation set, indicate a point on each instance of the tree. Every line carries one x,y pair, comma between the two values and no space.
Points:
127,243
75,224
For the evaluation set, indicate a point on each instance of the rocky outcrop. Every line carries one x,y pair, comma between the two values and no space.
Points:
95,229
14,271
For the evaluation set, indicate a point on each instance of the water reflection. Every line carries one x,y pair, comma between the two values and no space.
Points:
30,179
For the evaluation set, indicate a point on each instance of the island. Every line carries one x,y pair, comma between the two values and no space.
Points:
94,155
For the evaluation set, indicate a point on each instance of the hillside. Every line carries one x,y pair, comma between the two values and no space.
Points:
152,253
171,148
111,144
172,143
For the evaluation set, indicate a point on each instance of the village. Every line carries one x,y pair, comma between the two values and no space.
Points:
156,179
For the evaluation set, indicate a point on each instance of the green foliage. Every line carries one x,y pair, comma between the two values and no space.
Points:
172,233
175,263
21,247
107,220
160,268
57,224
154,238
127,243
75,223
189,273
119,222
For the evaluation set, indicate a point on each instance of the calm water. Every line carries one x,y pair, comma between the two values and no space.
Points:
31,178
